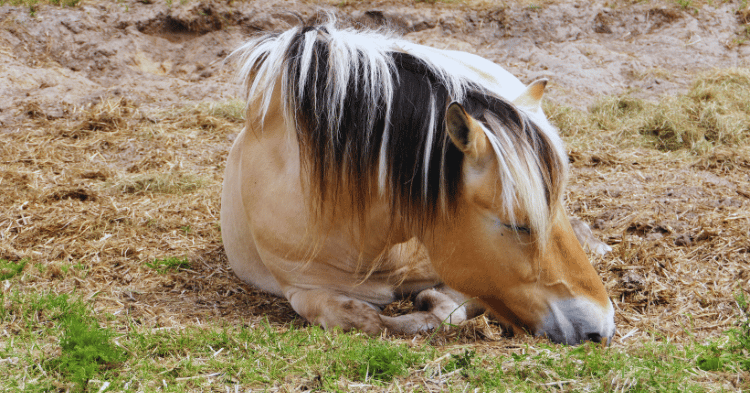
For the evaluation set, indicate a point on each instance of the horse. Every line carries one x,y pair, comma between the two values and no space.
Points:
371,168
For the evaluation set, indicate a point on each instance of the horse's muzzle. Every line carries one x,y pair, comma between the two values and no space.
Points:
573,321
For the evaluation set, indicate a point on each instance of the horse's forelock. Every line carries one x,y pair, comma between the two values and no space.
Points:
532,172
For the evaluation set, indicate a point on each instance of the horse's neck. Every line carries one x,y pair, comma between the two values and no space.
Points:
374,230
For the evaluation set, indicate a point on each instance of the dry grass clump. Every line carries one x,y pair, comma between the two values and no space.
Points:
744,13
165,183
232,110
715,112
106,116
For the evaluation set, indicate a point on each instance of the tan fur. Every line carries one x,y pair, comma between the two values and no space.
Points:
516,289
532,96
276,242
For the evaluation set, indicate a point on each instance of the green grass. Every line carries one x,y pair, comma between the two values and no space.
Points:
86,349
56,342
94,349
9,269
590,367
169,264
462,361
733,352
382,361
264,356
38,361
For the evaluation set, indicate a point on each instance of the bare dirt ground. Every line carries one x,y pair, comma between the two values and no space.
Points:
112,148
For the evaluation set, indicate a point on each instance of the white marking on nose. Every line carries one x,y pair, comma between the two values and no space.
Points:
573,321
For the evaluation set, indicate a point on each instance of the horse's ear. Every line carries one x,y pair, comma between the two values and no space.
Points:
465,132
532,96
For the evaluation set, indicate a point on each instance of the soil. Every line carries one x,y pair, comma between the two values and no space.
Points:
160,55
103,107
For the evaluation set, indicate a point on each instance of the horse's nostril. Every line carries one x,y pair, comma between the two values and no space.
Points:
595,337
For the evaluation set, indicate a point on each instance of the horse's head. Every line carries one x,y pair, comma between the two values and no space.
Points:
522,261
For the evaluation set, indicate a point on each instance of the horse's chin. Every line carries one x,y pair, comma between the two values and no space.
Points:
512,323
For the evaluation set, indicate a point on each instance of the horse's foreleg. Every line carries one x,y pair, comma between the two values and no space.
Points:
329,309
447,305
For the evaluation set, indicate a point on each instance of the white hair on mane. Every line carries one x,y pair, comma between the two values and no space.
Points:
365,61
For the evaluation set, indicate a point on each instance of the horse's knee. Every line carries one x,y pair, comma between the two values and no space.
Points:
441,305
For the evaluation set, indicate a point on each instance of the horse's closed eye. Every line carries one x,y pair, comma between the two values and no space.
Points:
517,228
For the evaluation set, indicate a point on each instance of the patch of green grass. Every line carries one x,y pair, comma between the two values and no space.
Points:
264,356
220,357
687,5
591,368
86,348
732,353
76,267
169,264
714,112
37,360
261,356
9,269
462,361
382,361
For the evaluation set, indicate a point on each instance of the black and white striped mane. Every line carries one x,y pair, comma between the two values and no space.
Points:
369,118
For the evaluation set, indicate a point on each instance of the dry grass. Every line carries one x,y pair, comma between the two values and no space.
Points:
668,185
111,189
714,112
90,199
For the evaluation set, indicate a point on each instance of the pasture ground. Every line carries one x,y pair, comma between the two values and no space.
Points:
115,122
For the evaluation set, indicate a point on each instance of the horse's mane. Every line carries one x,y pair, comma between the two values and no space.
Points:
369,119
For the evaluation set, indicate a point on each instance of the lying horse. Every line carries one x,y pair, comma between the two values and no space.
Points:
372,168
